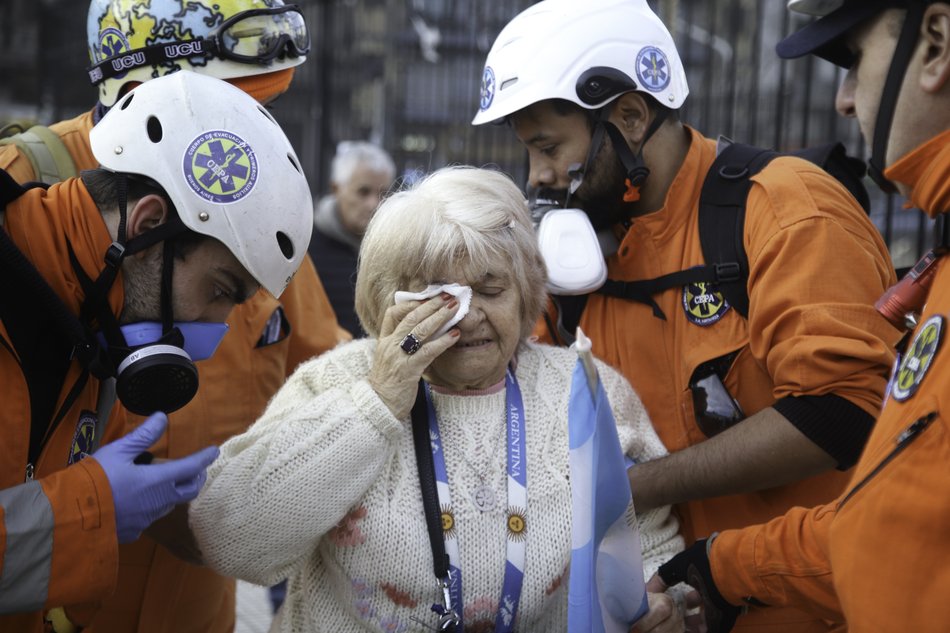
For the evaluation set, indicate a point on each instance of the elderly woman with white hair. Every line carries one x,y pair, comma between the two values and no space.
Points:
324,489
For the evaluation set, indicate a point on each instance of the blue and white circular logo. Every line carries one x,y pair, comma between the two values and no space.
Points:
112,42
488,89
220,167
653,69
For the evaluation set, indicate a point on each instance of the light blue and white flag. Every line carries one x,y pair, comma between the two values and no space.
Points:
606,592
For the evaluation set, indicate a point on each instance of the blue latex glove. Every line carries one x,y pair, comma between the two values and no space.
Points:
144,493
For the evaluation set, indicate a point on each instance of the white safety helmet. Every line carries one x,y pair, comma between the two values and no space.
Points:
224,163
587,52
138,40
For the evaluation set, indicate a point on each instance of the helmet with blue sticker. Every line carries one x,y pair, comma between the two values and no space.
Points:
224,163
588,53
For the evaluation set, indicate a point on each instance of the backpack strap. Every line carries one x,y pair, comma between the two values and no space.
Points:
42,331
722,203
722,207
48,155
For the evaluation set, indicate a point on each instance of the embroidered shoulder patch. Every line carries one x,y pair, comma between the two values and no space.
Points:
83,438
704,303
918,358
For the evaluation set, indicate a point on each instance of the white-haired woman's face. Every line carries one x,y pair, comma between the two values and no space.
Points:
490,333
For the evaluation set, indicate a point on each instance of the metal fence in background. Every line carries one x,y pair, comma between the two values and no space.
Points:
406,74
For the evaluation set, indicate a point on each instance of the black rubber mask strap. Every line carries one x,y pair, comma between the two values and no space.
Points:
596,142
906,44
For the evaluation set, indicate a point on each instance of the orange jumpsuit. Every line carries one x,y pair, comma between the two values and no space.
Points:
874,556
817,265
67,534
157,592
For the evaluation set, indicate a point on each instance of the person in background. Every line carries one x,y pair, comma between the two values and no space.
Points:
114,284
874,559
255,45
360,175
325,488
761,411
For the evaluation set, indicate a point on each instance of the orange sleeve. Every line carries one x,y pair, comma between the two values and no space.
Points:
15,163
75,136
85,548
817,265
314,328
784,562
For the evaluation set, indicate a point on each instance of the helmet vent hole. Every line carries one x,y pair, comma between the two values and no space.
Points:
270,116
127,101
293,162
154,128
286,246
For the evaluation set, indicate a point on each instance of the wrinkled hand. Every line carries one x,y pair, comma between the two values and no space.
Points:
692,567
143,493
663,616
395,374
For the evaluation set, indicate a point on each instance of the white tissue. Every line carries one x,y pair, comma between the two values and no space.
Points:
462,293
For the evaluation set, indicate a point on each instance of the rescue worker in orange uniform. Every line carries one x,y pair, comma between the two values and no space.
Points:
122,279
157,590
592,91
873,558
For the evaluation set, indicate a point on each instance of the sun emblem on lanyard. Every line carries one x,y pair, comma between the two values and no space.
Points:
517,524
919,357
448,522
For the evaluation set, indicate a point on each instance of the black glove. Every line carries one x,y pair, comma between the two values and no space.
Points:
692,567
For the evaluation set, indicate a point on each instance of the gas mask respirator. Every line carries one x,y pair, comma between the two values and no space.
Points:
573,252
155,369
152,361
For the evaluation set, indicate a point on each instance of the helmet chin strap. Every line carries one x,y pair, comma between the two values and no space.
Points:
633,164
156,375
906,44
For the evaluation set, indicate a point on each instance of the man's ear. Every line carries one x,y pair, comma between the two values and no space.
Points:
632,116
149,211
935,35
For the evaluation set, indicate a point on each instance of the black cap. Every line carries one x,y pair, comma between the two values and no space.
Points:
825,36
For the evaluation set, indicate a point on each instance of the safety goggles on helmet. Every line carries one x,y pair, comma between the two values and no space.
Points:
255,36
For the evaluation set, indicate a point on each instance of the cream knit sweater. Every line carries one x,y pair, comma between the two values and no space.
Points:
323,489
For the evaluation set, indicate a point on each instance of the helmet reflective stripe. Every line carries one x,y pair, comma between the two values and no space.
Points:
546,51
116,27
225,164
814,7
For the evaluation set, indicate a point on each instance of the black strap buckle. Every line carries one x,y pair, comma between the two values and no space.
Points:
727,272
115,254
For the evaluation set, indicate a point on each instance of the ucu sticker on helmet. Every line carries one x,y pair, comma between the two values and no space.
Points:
183,49
132,60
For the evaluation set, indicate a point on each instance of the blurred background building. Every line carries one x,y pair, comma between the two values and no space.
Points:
406,74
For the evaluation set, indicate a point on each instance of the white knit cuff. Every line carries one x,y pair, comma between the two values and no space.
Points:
376,412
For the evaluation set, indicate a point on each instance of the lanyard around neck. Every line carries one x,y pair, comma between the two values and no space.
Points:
440,518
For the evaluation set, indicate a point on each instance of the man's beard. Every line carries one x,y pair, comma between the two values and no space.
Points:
601,193
142,283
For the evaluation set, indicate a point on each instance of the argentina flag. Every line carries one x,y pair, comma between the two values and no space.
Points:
606,591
